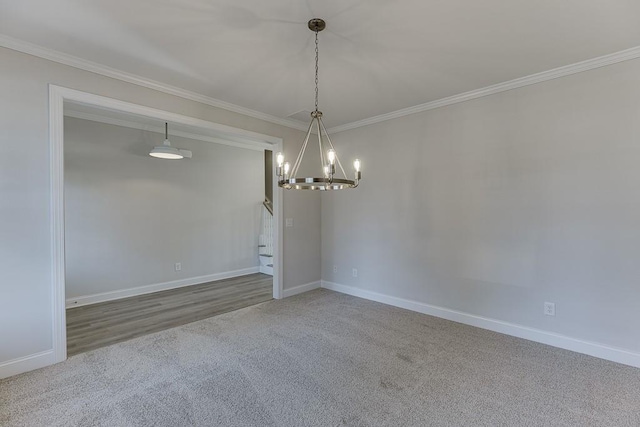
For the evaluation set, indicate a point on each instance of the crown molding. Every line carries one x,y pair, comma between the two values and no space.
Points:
94,67
73,61
160,130
567,70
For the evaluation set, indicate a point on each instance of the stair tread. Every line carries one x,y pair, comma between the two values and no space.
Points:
269,265
262,246
267,255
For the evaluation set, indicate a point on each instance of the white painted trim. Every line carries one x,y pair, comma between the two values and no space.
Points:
83,64
567,70
266,270
160,129
103,70
27,363
278,229
58,96
302,288
74,96
157,287
56,164
602,351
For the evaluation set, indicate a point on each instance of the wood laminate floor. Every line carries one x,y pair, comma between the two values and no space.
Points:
98,325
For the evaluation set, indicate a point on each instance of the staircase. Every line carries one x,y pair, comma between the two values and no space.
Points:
265,241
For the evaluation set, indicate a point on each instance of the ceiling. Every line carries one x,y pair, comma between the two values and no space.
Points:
376,56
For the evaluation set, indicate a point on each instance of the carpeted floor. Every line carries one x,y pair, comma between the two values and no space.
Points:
324,359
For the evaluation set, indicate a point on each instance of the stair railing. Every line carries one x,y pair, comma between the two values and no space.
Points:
268,204
265,247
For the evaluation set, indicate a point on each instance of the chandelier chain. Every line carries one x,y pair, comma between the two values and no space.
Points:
316,70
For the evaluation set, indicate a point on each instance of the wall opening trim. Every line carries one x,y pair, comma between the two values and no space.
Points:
58,97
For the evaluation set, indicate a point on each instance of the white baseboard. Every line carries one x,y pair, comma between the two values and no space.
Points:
26,363
141,290
302,288
266,270
601,351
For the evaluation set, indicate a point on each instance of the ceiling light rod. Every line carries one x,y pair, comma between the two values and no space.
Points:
287,176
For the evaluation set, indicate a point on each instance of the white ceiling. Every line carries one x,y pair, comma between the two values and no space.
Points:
376,56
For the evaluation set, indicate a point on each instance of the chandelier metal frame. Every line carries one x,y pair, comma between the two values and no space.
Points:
288,177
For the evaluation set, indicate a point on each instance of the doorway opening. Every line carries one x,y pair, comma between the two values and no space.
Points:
163,207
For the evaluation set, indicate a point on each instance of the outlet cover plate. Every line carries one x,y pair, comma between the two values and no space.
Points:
549,309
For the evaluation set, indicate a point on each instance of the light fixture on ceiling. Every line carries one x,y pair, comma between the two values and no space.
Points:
166,151
287,176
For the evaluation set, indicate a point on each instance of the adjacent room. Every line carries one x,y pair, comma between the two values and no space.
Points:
319,213
156,242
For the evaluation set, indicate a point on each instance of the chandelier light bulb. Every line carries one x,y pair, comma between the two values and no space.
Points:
331,156
280,159
356,165
326,171
286,168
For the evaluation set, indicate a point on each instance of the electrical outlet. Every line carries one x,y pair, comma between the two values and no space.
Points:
354,272
288,222
335,268
549,309
178,266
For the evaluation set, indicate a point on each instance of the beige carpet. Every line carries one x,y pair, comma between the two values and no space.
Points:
325,359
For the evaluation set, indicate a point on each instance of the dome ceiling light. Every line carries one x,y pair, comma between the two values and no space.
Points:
166,151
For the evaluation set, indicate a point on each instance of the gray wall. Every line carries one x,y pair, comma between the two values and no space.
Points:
129,217
493,206
25,229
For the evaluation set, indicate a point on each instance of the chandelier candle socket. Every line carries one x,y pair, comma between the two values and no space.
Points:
288,176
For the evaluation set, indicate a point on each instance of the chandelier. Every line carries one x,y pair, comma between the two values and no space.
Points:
329,180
